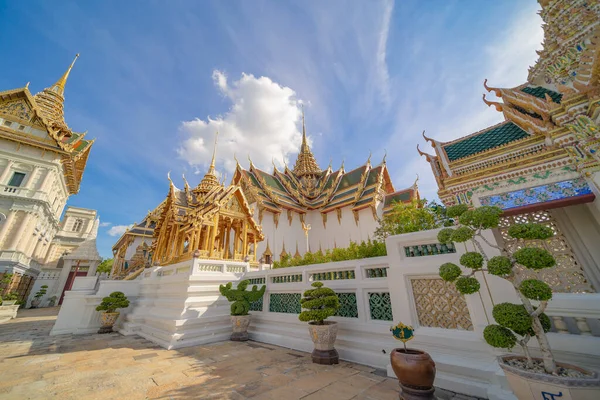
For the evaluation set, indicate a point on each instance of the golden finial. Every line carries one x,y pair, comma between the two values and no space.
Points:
489,89
212,163
492,103
369,159
274,166
185,182
169,176
27,85
416,180
59,86
251,164
428,139
384,156
343,161
237,163
303,128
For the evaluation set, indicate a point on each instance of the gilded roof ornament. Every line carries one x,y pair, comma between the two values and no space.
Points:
210,180
499,106
497,91
306,164
428,139
385,155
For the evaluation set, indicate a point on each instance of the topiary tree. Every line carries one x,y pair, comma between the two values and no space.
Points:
113,302
240,297
320,303
40,293
516,324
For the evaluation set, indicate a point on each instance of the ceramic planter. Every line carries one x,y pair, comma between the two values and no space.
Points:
108,319
416,372
532,385
323,336
35,302
9,302
240,325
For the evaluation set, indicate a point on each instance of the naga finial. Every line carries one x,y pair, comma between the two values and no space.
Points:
416,180
384,156
497,91
427,139
369,159
492,103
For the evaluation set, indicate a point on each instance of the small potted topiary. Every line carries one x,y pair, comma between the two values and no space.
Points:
240,307
109,307
37,299
319,304
9,299
516,323
52,301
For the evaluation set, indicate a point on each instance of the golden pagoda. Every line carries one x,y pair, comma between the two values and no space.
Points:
210,221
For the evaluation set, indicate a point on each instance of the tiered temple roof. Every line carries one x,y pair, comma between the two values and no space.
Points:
45,112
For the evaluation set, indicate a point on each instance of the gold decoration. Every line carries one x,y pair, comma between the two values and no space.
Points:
324,217
276,219
305,163
290,216
440,305
339,215
356,216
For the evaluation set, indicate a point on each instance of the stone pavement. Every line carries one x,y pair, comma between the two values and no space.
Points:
34,365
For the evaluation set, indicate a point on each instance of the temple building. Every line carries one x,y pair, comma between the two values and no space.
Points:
41,164
307,208
542,163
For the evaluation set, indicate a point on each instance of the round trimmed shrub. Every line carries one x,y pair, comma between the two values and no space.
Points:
320,303
486,217
472,259
530,231
535,290
499,336
534,258
449,272
445,235
462,234
512,316
457,210
466,218
467,285
545,320
499,266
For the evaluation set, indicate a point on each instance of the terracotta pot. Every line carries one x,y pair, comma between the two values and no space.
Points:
532,385
108,320
240,325
414,368
323,336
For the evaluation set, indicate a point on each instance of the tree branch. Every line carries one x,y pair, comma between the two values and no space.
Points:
540,309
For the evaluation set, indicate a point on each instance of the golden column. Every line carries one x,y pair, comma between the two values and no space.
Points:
214,234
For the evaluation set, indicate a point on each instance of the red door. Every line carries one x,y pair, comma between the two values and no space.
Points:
69,284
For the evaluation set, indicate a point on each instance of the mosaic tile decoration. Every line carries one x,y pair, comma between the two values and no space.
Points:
440,305
257,305
429,249
288,303
538,194
348,306
332,275
380,306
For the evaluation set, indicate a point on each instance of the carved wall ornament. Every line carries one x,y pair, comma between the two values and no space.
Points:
276,219
339,215
324,217
290,216
356,216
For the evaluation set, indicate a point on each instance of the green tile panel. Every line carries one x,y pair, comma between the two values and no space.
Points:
348,306
257,305
257,281
429,249
497,136
376,272
287,278
380,306
351,178
400,196
288,303
333,275
373,175
541,91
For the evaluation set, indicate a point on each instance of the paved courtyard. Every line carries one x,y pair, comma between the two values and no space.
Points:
34,365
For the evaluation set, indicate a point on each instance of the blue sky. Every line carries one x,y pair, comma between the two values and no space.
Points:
156,79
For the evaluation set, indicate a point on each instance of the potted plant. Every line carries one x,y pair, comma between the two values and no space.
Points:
109,306
9,299
52,301
516,323
319,304
240,317
37,299
414,368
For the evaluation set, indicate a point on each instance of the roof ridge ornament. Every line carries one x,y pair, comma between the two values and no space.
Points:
499,106
428,139
497,91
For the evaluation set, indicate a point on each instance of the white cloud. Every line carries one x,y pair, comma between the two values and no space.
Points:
262,123
118,230
104,224
381,64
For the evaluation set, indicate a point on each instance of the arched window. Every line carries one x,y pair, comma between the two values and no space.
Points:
77,225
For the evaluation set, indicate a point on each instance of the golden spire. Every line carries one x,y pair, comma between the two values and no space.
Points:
210,179
283,252
51,102
305,163
267,251
297,253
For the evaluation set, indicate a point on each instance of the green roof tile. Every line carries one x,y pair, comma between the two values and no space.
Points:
351,178
497,136
541,91
402,196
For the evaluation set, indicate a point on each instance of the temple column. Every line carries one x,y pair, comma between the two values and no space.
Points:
6,171
213,235
29,183
20,229
9,220
254,237
226,254
206,230
245,240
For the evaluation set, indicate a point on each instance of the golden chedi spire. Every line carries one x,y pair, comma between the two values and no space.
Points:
210,180
305,163
51,102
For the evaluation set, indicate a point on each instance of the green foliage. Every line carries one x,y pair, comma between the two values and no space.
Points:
457,210
370,248
535,290
319,304
445,235
462,234
534,258
499,336
414,216
472,259
113,302
467,285
530,231
105,266
40,293
6,279
240,297
11,296
499,266
449,272
485,217
512,316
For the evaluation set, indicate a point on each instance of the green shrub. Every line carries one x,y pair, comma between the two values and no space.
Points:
240,297
40,293
354,251
512,316
11,296
467,285
484,217
499,336
534,258
319,304
462,234
445,235
530,231
113,302
449,272
457,210
499,266
472,259
535,290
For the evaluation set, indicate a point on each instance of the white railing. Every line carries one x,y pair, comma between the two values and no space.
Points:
14,256
575,313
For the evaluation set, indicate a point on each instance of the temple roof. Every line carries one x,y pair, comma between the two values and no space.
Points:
486,139
306,164
540,92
